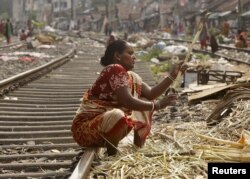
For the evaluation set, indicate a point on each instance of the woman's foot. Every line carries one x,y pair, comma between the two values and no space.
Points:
111,149
137,140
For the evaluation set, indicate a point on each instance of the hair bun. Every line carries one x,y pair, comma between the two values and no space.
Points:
103,61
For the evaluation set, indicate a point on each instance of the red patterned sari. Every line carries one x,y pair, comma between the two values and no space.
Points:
99,114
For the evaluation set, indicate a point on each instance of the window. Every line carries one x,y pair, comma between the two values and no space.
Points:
65,4
56,4
49,1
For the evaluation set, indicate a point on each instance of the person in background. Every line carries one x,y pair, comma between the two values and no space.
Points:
106,28
1,27
125,36
244,35
119,101
111,39
213,41
226,28
23,35
30,28
8,31
241,39
204,36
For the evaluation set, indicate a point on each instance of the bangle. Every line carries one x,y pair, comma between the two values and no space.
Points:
153,106
170,77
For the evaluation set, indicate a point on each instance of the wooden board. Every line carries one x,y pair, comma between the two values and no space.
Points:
208,92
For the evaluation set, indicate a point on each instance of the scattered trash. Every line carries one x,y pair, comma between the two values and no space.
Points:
26,59
46,46
155,60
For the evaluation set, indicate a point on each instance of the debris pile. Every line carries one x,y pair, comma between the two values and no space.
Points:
179,149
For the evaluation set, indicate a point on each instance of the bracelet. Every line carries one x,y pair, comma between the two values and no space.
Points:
170,77
153,106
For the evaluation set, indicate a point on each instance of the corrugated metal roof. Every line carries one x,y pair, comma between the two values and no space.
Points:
226,13
246,14
214,15
227,6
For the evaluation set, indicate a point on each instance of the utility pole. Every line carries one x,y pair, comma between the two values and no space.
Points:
162,16
60,8
107,8
73,14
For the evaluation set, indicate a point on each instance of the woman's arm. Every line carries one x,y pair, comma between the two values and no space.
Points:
156,91
125,99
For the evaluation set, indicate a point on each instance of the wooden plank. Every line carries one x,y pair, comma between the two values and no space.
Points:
208,92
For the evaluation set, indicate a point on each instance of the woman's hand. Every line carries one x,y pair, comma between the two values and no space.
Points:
169,100
177,68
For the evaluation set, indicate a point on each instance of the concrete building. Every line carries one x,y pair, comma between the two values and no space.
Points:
14,9
61,5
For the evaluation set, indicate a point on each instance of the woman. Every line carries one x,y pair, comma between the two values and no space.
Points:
8,31
118,101
204,36
23,36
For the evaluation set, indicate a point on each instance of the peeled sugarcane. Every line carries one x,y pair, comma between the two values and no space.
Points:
190,48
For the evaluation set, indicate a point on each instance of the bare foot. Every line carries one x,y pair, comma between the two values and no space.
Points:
137,140
111,149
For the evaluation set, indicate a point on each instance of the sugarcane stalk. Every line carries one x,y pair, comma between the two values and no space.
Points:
190,48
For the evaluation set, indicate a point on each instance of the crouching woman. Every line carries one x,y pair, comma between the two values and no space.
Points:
118,102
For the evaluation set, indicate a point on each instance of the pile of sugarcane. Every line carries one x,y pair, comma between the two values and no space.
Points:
183,149
165,154
179,150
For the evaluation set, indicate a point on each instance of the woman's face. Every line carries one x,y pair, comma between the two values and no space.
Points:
127,58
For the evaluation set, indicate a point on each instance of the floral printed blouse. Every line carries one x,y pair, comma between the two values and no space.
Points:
111,78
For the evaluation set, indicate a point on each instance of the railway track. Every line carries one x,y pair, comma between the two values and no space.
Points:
36,111
13,45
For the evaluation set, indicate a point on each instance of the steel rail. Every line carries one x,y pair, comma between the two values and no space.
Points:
50,131
12,45
36,71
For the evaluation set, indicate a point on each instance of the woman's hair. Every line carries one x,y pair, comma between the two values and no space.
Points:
116,46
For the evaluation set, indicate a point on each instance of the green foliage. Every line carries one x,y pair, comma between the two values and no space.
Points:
214,31
202,57
220,39
38,25
153,53
188,37
160,68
